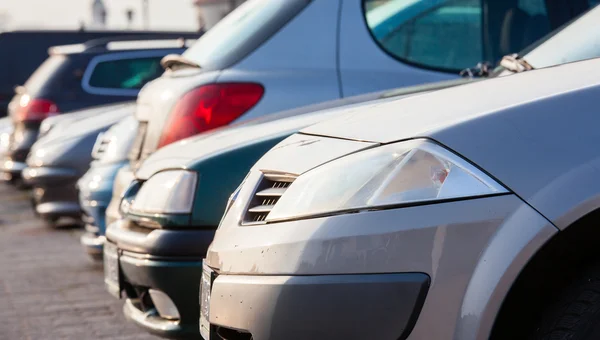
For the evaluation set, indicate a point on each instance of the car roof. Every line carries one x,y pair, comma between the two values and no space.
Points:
128,43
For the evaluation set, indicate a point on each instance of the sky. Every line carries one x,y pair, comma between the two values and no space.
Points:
68,14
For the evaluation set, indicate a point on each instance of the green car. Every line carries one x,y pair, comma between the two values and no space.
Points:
170,211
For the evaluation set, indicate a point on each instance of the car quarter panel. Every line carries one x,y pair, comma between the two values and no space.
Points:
288,64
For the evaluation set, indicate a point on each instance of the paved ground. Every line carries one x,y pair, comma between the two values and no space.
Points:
49,289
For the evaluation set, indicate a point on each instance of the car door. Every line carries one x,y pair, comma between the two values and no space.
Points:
407,42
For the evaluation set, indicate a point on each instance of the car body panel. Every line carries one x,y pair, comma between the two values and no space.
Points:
536,140
444,241
520,151
59,158
158,97
85,129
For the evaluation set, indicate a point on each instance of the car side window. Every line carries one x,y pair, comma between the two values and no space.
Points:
451,35
126,74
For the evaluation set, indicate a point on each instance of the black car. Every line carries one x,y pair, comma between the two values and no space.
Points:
22,51
78,76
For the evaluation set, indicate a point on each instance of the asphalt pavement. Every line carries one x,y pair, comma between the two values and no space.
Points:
49,289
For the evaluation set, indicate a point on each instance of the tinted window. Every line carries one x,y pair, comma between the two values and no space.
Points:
455,34
243,30
125,73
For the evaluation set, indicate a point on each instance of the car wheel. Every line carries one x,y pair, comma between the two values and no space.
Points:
576,314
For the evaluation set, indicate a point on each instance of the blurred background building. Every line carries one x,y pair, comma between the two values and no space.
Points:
189,15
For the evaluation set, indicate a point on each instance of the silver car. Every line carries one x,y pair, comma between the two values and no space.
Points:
269,56
62,156
470,220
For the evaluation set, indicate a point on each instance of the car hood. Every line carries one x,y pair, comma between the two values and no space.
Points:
57,125
432,113
73,147
86,122
184,154
535,132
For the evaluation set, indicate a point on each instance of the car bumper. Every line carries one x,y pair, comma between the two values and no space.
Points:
157,259
54,191
382,306
10,169
469,249
95,193
47,176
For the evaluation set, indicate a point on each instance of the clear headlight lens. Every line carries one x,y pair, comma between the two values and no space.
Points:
167,192
396,174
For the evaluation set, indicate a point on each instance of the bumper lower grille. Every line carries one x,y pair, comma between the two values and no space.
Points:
268,193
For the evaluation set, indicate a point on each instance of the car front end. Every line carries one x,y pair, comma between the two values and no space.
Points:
390,219
60,158
168,216
96,185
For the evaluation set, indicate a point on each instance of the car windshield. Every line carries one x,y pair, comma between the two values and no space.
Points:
577,41
242,31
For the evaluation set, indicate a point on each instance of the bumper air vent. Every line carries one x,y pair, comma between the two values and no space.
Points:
270,189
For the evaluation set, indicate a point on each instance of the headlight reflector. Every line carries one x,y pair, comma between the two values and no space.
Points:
396,174
167,192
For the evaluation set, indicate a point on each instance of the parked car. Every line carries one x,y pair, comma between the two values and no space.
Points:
96,185
24,50
476,217
79,76
172,230
207,155
62,156
259,58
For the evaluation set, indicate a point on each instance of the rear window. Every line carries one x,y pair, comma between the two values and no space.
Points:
48,72
242,31
125,73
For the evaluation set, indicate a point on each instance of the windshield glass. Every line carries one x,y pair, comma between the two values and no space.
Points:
242,31
578,41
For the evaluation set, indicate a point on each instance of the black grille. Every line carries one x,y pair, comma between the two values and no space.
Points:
269,191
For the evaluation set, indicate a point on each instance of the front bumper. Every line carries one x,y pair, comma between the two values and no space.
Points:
11,168
95,193
165,260
472,250
374,306
54,191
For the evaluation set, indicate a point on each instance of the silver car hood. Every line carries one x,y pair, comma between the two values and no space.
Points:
86,122
536,132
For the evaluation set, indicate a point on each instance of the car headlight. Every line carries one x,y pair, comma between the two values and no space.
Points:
398,174
167,192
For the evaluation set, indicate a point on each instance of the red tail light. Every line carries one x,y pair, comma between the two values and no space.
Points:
31,109
209,107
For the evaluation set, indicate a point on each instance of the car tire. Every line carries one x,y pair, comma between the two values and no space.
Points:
576,314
